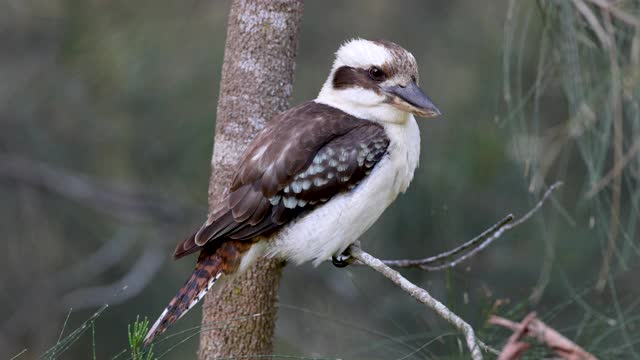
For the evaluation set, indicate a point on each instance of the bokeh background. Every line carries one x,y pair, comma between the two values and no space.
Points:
107,116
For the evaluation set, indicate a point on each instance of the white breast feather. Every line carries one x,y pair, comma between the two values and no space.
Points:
332,227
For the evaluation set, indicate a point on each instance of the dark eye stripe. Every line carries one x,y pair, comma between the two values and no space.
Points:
347,77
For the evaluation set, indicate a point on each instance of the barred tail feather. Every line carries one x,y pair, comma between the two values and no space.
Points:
209,268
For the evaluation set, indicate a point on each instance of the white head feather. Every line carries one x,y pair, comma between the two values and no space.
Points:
361,102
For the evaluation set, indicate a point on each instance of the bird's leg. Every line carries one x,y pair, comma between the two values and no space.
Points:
344,259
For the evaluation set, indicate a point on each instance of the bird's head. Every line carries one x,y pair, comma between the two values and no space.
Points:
376,80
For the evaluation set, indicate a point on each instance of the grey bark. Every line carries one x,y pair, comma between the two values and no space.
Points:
257,77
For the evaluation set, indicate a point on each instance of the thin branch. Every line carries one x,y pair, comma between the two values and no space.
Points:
514,348
473,246
474,243
468,249
18,354
620,14
592,19
421,295
617,169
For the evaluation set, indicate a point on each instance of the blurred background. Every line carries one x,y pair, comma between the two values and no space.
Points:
107,116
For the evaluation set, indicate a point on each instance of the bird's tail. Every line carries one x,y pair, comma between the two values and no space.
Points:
212,264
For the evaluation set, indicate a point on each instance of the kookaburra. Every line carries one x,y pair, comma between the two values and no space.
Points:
318,176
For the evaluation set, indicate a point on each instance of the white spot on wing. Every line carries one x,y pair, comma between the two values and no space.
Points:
320,181
296,186
290,202
275,200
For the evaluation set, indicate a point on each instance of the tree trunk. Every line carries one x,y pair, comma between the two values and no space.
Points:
257,77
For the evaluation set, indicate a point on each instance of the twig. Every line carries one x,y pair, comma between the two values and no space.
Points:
514,348
618,13
473,246
592,19
617,169
421,295
468,249
18,354
532,327
64,325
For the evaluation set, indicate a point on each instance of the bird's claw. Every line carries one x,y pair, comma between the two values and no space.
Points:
342,260
345,259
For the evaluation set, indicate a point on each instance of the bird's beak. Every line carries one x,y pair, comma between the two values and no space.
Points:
411,98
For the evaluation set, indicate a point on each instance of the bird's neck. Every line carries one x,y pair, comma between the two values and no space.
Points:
361,103
404,149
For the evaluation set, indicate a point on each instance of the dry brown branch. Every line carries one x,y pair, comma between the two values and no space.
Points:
514,348
421,295
449,259
534,328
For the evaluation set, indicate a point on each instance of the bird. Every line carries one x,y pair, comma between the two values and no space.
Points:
317,176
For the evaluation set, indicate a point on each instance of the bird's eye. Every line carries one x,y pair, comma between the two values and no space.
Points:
376,74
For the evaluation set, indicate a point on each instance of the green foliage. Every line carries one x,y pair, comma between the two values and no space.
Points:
588,56
136,334
576,116
63,344
136,339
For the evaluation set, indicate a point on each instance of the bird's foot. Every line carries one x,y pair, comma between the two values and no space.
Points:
345,259
342,260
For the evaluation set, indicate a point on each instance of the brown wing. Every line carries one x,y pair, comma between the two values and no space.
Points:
309,154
